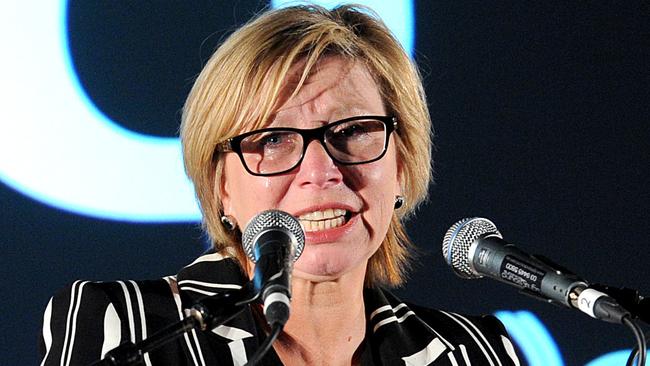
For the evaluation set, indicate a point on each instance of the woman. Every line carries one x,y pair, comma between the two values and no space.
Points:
348,155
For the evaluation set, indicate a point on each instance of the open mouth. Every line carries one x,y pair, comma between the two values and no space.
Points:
323,220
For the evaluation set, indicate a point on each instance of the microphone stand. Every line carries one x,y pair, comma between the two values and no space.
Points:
206,314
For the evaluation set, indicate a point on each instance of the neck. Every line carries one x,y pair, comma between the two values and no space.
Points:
321,296
327,323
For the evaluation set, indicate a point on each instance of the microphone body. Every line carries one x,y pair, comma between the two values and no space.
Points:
272,276
474,248
273,240
495,258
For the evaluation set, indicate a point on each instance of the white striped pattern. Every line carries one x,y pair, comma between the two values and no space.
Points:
487,356
238,352
510,350
231,333
208,284
64,352
386,308
452,359
129,311
112,330
380,310
463,351
392,319
177,299
236,335
47,330
199,291
489,346
214,257
72,323
428,354
443,339
198,346
143,319
67,315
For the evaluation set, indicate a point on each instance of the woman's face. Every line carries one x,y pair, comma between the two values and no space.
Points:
360,198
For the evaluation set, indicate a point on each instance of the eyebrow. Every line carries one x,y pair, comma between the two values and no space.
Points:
337,114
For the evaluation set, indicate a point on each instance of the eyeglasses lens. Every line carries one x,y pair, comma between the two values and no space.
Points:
272,151
351,142
356,141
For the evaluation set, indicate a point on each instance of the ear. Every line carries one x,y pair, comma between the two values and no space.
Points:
223,188
399,182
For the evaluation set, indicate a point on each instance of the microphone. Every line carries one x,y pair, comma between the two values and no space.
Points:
474,248
273,240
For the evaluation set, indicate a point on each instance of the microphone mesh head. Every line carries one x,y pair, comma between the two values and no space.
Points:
274,220
458,240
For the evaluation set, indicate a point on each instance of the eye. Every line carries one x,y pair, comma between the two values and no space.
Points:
270,142
350,129
272,139
357,129
276,139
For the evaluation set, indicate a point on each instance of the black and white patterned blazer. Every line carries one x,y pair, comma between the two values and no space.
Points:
88,319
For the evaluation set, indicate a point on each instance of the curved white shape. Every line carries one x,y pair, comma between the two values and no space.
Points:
58,148
397,14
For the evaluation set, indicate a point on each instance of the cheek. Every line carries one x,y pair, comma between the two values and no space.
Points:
246,195
381,179
378,193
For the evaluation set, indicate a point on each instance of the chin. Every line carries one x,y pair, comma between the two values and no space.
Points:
318,266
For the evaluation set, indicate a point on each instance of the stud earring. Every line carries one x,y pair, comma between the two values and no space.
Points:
228,222
399,201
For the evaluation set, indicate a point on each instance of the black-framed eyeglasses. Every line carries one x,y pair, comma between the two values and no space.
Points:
277,150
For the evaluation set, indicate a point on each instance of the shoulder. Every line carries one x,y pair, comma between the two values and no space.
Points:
420,333
85,299
85,319
487,325
480,335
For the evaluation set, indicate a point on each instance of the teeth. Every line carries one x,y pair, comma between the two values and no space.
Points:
308,225
321,220
330,213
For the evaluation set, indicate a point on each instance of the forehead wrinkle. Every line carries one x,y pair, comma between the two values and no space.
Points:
310,98
312,89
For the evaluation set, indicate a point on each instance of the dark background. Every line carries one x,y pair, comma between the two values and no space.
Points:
540,114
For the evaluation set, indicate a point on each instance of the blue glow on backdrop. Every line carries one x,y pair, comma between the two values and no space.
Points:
533,338
538,346
66,153
59,149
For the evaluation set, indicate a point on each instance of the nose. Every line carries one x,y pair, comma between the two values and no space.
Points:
317,168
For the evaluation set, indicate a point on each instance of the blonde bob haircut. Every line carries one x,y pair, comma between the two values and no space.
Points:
241,86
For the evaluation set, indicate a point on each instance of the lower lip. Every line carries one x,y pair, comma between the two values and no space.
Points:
330,235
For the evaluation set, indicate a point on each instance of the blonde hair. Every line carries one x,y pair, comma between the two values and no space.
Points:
240,87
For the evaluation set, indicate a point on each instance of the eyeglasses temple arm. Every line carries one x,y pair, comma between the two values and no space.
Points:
224,146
